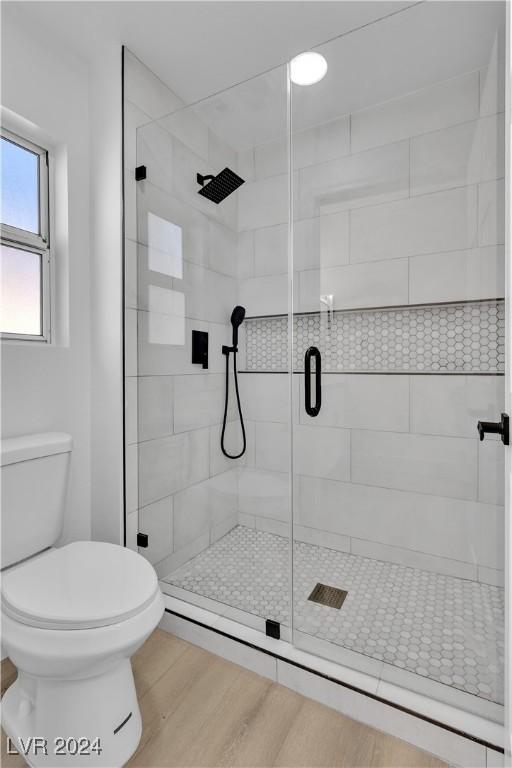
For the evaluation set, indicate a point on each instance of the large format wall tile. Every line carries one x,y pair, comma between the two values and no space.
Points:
191,515
414,559
271,250
436,247
170,464
265,397
311,146
355,285
271,159
442,221
156,208
491,470
155,407
273,446
320,242
320,143
220,153
198,401
444,466
165,344
321,452
478,273
368,178
245,254
264,494
445,527
202,507
222,249
492,87
443,104
181,269
156,520
185,126
264,295
463,154
263,203
208,295
491,212
233,444
172,167
452,405
361,401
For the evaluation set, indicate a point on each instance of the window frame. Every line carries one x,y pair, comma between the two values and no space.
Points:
23,240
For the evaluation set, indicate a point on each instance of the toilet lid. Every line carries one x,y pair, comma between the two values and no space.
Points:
79,586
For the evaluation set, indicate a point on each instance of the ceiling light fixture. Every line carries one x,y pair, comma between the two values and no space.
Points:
307,68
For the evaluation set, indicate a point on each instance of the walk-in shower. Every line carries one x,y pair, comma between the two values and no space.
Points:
369,231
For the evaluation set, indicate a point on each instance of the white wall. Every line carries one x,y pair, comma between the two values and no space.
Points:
75,383
47,387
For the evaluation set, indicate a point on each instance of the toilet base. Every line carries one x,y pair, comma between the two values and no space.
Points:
58,722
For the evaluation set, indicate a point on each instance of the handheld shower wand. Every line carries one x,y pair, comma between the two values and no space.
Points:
237,318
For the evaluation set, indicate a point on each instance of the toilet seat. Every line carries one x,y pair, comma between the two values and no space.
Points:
82,585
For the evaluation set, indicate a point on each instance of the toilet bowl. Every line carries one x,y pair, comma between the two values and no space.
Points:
71,619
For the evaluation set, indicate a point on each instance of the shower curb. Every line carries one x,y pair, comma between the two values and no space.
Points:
453,744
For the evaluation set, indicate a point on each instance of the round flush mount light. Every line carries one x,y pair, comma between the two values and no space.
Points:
307,68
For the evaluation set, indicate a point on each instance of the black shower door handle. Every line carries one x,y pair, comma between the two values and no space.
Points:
312,410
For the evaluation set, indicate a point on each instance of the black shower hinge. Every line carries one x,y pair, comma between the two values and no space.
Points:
142,540
140,173
273,629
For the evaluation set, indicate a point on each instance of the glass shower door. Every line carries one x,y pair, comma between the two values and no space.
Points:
398,353
216,516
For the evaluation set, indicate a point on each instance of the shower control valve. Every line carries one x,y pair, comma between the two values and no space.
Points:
496,428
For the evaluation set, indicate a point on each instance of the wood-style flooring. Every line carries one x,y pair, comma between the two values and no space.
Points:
200,710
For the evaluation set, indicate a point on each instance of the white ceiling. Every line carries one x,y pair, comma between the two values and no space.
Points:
200,48
396,55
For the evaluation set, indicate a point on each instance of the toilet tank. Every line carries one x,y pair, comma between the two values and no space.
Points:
33,483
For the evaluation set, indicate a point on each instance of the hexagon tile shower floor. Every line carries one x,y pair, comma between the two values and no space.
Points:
441,627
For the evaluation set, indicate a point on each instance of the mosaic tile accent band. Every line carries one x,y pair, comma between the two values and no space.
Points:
445,338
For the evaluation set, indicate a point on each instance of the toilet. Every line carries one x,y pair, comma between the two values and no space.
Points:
71,619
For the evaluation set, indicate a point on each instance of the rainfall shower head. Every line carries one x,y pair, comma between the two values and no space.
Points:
220,186
237,318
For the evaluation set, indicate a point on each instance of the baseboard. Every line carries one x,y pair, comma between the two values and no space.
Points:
456,737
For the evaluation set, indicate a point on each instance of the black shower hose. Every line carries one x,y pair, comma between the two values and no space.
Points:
226,403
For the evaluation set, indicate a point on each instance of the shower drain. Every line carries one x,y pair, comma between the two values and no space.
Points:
325,595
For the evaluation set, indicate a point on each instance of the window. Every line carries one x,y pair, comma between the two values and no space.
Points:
25,240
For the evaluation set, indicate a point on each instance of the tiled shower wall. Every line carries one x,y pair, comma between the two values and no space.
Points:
180,275
400,204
